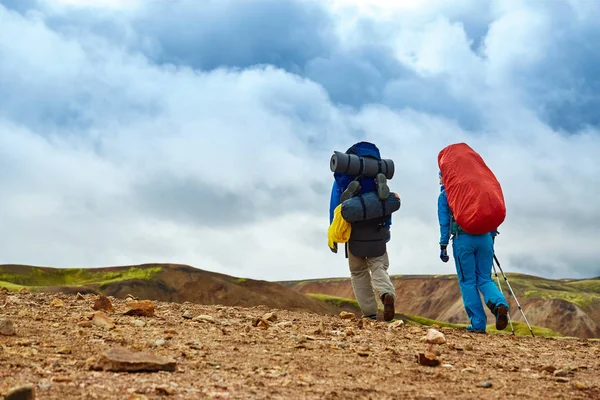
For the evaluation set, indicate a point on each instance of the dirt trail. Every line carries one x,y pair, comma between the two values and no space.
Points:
229,353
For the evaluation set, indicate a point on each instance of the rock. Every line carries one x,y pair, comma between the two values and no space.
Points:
56,302
7,328
144,308
205,318
62,379
579,385
24,290
486,385
137,396
101,320
468,347
102,303
428,359
164,390
435,337
64,350
24,392
347,315
79,296
396,325
284,324
188,314
561,372
447,366
562,380
549,368
270,317
468,369
138,322
85,324
120,359
320,330
130,297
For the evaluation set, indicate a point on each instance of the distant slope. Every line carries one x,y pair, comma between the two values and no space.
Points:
568,306
164,282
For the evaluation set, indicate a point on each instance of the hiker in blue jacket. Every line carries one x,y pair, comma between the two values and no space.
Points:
368,268
473,255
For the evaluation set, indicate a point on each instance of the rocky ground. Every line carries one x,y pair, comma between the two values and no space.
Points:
83,347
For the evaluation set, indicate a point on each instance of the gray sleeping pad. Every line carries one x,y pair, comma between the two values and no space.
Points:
368,206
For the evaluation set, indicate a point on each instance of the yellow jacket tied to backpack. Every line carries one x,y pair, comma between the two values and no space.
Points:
340,229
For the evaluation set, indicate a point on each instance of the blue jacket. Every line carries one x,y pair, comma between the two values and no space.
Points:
444,216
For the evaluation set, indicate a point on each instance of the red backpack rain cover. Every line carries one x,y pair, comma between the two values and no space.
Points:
474,194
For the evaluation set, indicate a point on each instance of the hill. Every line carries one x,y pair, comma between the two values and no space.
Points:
165,282
60,347
568,306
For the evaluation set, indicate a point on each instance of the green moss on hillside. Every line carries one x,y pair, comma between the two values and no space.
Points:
37,277
337,301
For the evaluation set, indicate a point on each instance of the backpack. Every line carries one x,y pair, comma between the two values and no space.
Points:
474,194
362,149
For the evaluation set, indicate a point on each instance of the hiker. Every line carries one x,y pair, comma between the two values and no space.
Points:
366,247
473,255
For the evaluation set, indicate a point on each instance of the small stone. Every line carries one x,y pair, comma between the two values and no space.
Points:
270,317
7,328
347,315
24,290
428,359
435,337
188,314
64,350
121,359
164,390
101,320
103,303
579,385
85,324
447,366
79,296
468,347
396,325
320,330
468,369
159,342
284,324
130,297
139,323
562,380
561,372
144,308
62,379
204,318
44,384
24,392
549,368
56,302
138,396
486,385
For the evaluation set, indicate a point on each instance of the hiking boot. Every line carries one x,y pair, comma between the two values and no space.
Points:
351,191
501,317
372,316
383,190
388,307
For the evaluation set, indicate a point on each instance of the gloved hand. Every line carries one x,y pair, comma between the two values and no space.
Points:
444,253
334,248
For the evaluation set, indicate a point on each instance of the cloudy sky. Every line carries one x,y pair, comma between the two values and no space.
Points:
200,132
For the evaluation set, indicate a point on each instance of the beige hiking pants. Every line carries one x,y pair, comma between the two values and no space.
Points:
368,273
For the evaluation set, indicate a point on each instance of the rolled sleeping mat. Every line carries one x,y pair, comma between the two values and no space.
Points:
351,164
368,206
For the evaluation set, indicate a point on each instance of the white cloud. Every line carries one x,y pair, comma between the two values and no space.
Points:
112,157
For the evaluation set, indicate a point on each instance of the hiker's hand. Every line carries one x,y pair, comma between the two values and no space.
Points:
444,253
334,248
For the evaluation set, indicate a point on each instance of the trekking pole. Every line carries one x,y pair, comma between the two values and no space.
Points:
508,312
513,294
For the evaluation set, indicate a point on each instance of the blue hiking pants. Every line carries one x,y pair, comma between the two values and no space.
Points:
474,255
